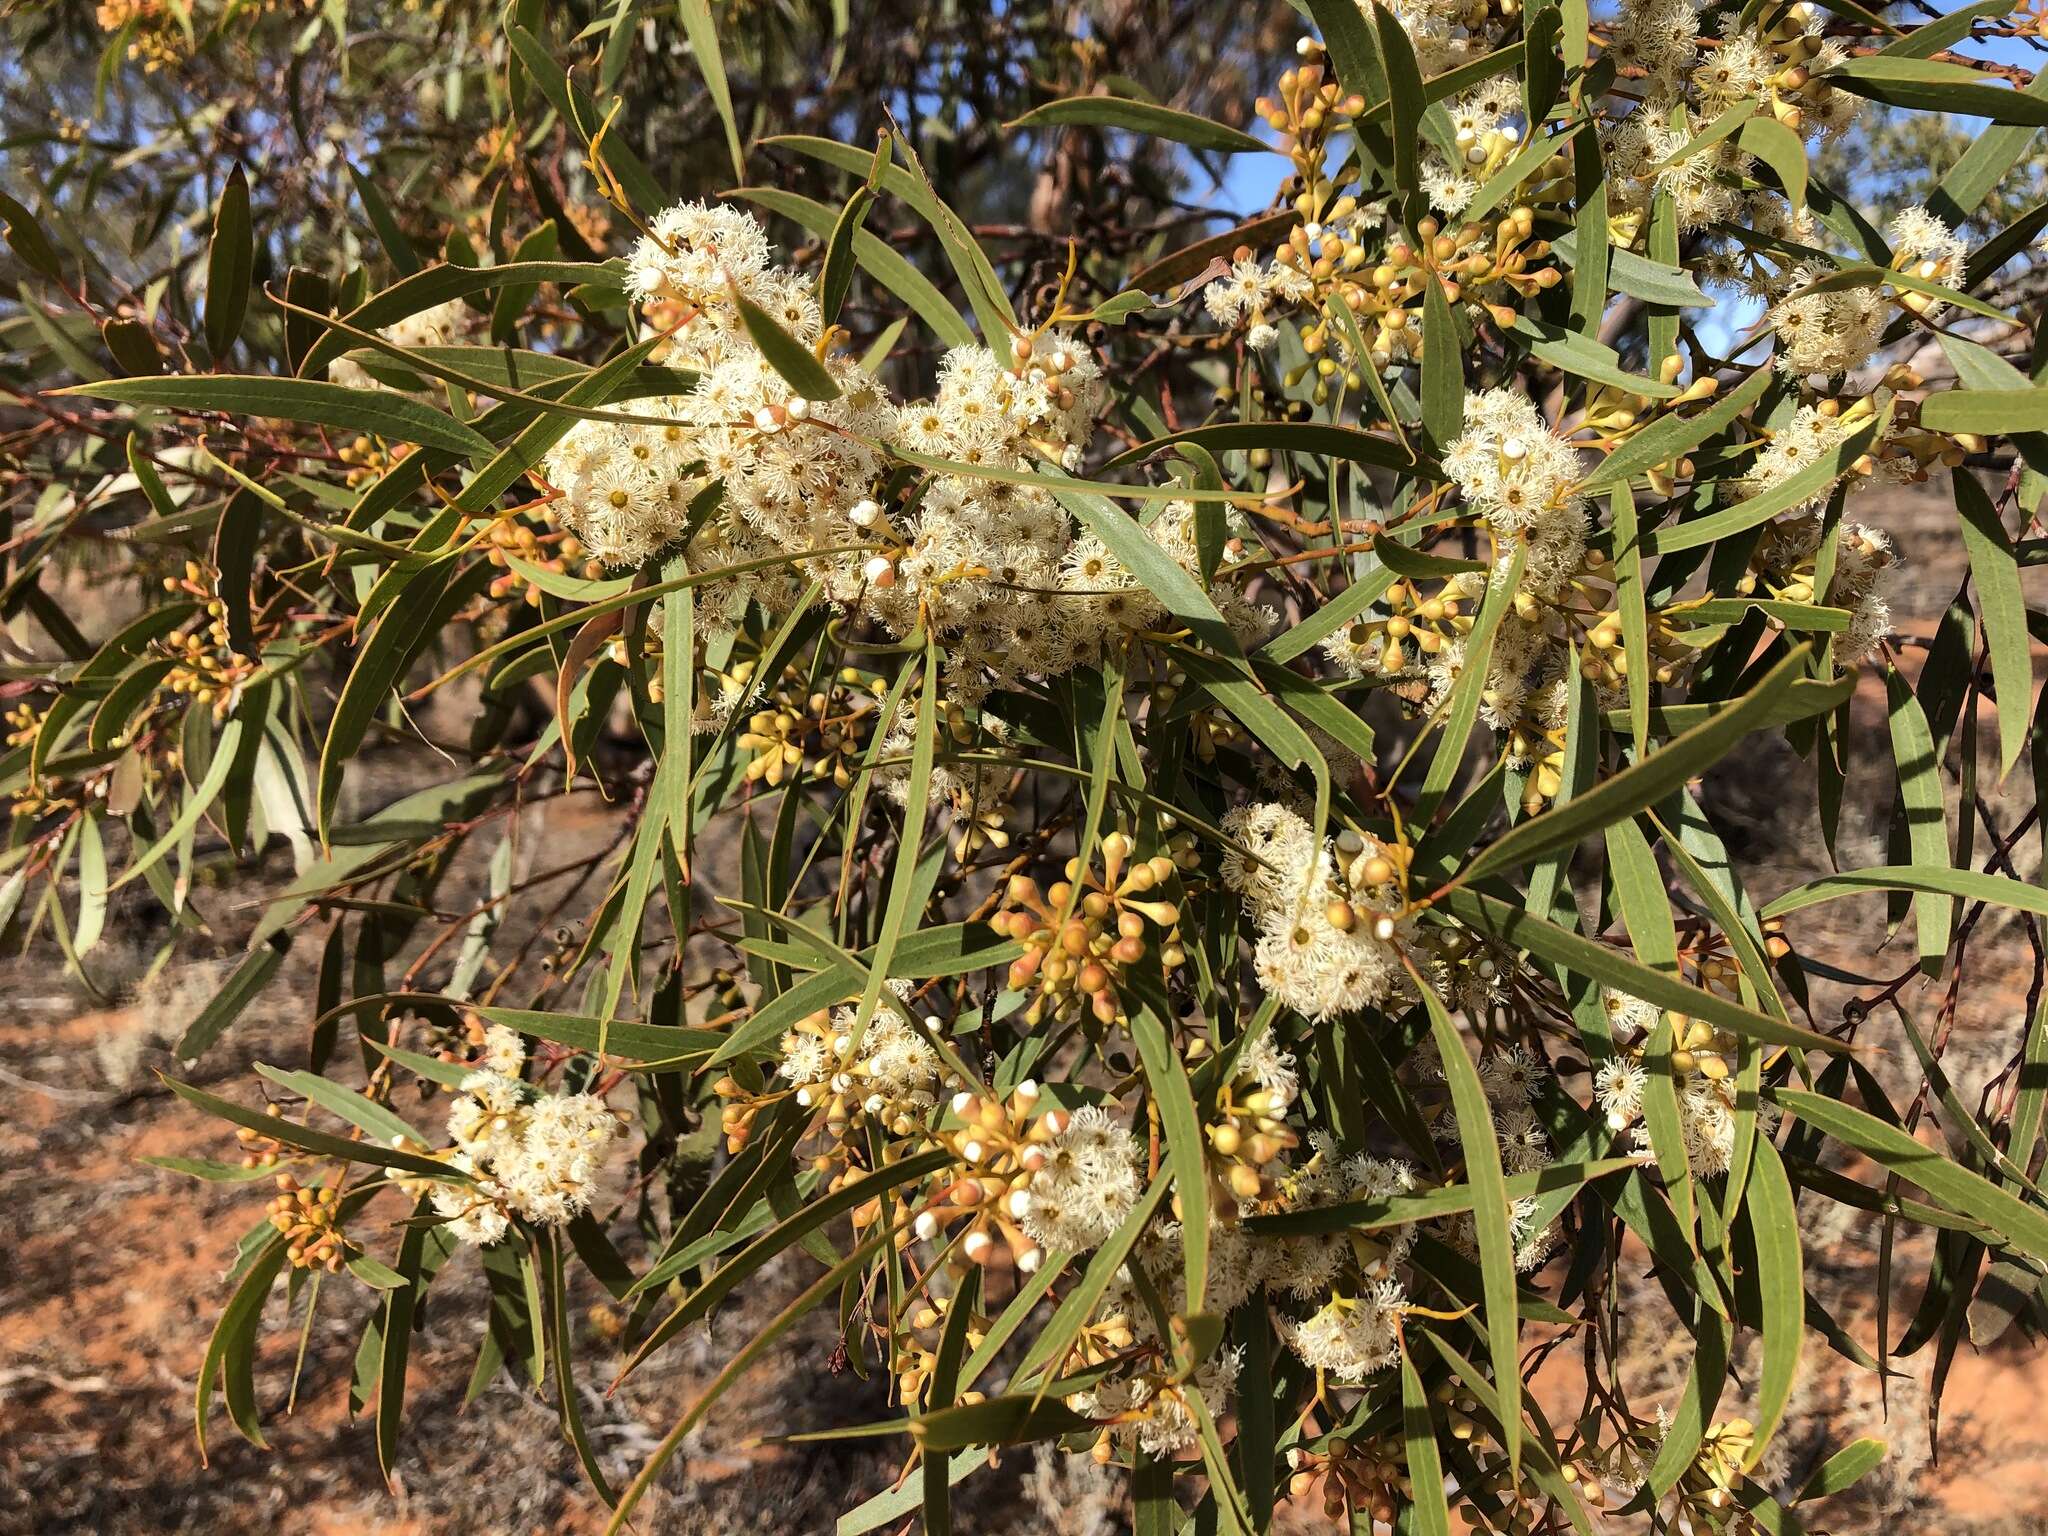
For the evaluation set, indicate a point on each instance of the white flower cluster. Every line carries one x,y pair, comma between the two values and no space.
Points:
1350,1337
1706,1102
442,326
1244,297
1485,130
1512,1077
998,568
1926,247
540,1157
1150,1411
1308,1264
1839,330
1813,434
1086,1187
1686,87
1866,565
1447,33
890,1074
1354,1330
1834,331
1524,480
1327,911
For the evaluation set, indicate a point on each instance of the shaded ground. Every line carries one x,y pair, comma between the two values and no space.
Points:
110,1269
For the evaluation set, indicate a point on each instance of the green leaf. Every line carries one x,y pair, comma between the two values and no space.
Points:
1582,956
1672,436
1443,364
836,273
1404,100
907,182
1781,1287
1782,150
576,109
231,1350
1647,781
389,232
1630,604
132,347
1141,117
28,240
1461,710
2023,1226
251,975
230,264
2002,610
1927,85
404,627
1971,885
380,412
1490,1214
92,887
1186,1150
400,1305
1584,357
420,291
346,1103
207,1169
797,364
1654,282
1925,809
196,803
1012,1419
320,1143
702,32
1431,1509
1810,482
1843,1470
883,262
1233,682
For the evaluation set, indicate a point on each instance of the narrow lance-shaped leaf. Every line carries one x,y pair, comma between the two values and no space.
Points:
2002,610
1492,1220
230,264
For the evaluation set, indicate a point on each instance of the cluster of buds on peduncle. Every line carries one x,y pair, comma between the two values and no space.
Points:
999,1144
1473,262
1371,877
309,1219
1706,1490
1605,657
1247,1131
1311,108
1361,1481
366,459
1470,969
1794,580
1415,628
204,662
1613,414
1079,941
23,721
1801,100
511,535
1210,730
915,1362
259,1150
817,732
